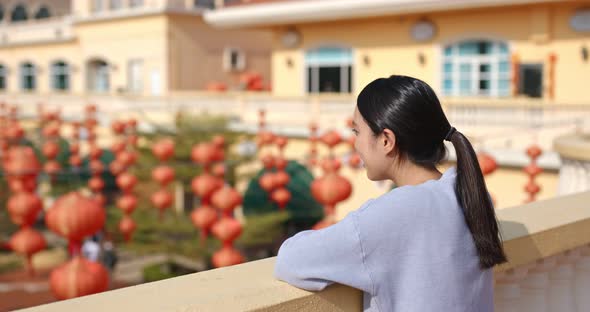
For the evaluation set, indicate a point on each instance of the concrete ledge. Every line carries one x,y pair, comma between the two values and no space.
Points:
573,146
530,232
544,228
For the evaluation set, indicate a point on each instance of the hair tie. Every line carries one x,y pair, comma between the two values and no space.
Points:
450,134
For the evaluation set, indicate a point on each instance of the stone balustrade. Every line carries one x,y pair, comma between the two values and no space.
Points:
547,243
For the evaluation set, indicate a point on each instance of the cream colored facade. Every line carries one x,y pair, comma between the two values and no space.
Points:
150,47
382,44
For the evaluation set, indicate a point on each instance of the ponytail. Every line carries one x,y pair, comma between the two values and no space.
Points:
476,203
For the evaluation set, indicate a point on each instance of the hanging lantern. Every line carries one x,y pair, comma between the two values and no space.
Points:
78,277
163,149
226,199
27,242
203,218
486,163
127,227
24,208
281,196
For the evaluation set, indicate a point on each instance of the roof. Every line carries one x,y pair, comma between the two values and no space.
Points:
270,13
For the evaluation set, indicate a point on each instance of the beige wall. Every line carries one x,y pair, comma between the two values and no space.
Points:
119,41
196,53
531,31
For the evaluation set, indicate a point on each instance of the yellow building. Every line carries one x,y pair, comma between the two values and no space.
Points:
464,49
139,47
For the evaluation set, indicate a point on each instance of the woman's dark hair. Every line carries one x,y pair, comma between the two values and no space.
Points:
410,108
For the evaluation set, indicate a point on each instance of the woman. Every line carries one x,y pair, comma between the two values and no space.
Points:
427,245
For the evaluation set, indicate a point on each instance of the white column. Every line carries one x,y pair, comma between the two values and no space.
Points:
582,280
535,286
507,295
561,297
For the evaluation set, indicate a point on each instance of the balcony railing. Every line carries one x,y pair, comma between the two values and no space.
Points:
37,31
547,243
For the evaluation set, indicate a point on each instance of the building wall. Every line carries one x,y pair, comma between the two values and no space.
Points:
196,53
119,41
533,32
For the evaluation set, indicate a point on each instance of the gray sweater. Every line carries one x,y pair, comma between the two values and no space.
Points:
408,250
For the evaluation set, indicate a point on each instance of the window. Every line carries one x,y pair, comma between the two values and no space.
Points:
2,77
233,60
329,69
27,77
98,76
43,12
1,13
476,68
97,5
531,80
19,13
135,3
135,76
60,76
206,4
115,4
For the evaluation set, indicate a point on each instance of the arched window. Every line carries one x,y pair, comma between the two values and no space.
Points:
476,68
329,69
43,12
19,13
2,77
98,76
60,76
28,76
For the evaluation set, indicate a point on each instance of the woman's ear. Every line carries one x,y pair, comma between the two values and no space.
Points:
388,141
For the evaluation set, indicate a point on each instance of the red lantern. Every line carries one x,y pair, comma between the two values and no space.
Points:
227,256
118,127
78,277
268,161
206,153
75,216
227,229
281,142
331,189
218,141
226,199
52,167
331,139
205,185
267,181
126,181
127,158
281,179
203,218
24,208
95,152
534,151
331,165
281,196
163,149
75,160
354,161
51,130
163,174
281,163
118,147
127,227
162,199
27,242
96,167
21,161
127,203
116,168
219,170
74,148
50,149
486,163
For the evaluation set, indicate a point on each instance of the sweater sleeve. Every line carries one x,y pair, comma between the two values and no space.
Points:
314,259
